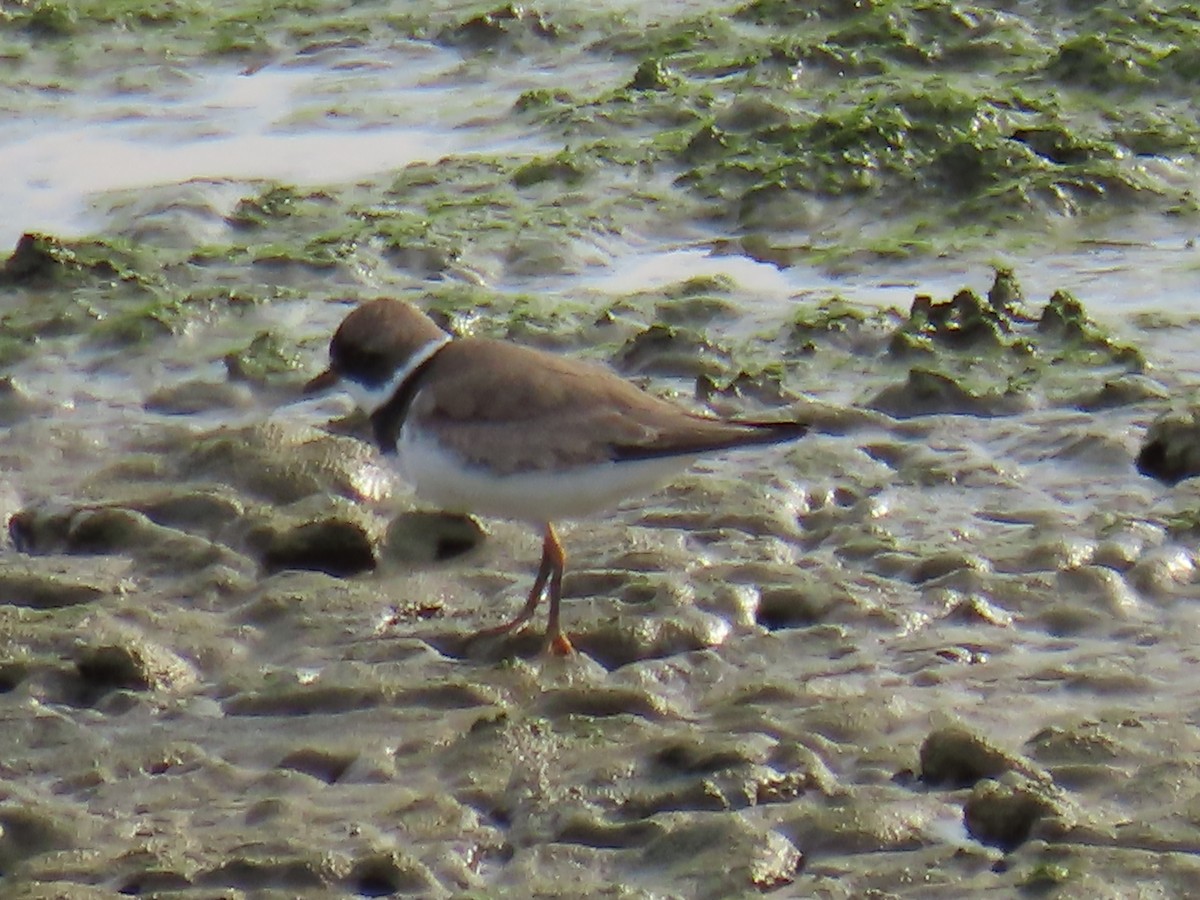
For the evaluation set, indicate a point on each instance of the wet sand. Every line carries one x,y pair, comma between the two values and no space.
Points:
942,647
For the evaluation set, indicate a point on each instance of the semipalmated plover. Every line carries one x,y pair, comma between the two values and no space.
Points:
494,428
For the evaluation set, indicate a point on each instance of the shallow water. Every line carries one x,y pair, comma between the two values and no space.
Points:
766,646
331,116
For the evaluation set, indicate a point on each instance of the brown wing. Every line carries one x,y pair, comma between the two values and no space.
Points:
523,409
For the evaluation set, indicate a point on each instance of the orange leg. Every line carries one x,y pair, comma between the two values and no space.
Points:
552,550
549,572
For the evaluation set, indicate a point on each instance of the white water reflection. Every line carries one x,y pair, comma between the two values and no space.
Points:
1153,269
305,123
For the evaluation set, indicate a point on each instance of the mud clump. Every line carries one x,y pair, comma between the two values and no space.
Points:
389,873
957,758
505,25
668,351
198,396
1124,390
39,256
1001,322
756,858
423,536
133,665
282,463
115,530
333,546
1171,450
1003,814
963,322
26,833
15,402
930,393
36,589
994,356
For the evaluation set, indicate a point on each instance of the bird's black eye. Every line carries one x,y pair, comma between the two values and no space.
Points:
377,370
368,369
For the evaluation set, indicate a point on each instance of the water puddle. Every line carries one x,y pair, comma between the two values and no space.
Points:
329,119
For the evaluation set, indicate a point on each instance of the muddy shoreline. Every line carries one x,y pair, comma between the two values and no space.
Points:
941,647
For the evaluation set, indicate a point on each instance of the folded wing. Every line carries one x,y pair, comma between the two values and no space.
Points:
568,413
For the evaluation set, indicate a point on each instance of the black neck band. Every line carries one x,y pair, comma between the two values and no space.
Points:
387,421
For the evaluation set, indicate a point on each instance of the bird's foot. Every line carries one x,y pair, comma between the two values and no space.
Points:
560,645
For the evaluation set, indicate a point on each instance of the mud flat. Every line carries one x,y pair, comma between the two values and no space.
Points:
941,647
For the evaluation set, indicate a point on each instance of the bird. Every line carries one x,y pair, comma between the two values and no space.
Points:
498,429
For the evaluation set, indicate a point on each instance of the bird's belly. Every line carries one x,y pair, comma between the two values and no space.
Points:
442,479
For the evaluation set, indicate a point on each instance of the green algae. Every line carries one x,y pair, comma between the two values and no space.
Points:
835,315
43,259
974,344
496,26
941,122
563,167
1044,876
96,286
275,202
1082,339
711,116
268,358
984,115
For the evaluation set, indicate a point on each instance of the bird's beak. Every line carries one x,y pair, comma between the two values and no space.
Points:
323,382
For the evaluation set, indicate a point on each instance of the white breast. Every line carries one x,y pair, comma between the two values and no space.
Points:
441,478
